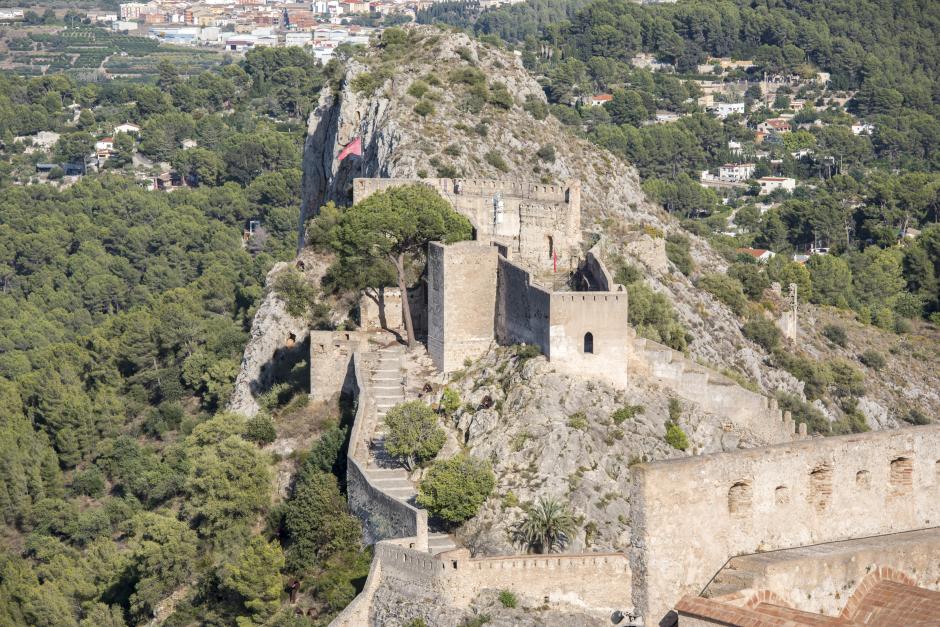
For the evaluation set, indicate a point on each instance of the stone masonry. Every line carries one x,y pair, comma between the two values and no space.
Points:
540,224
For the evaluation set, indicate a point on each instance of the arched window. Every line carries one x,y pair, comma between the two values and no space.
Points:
551,246
588,342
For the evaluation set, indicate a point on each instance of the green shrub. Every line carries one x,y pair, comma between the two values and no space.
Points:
627,412
835,334
916,417
413,433
450,401
726,289
675,410
468,76
535,107
625,273
762,332
88,482
418,89
260,430
424,108
546,153
452,150
496,160
873,359
677,250
298,294
578,420
676,437
465,53
525,352
653,317
368,83
508,599
846,379
500,96
456,488
816,377
752,278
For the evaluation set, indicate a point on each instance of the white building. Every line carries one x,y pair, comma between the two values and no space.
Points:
735,147
126,127
769,184
131,10
735,172
105,143
297,39
862,129
724,109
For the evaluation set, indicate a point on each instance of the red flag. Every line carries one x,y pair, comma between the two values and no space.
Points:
352,148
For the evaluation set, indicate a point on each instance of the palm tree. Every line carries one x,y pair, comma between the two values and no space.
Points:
547,527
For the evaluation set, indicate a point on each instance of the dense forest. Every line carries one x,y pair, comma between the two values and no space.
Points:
125,490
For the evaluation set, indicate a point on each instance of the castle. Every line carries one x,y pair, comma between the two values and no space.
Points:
805,530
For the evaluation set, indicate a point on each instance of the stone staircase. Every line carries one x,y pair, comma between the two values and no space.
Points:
388,385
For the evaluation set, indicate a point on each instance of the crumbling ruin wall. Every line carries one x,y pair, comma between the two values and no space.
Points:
692,514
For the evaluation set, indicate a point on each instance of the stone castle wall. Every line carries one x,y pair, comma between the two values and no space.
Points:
331,361
590,334
523,308
382,515
540,223
461,302
598,582
744,412
692,514
381,309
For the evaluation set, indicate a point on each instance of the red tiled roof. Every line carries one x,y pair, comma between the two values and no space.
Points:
602,97
753,252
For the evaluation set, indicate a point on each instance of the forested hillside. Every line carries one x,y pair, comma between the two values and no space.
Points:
125,492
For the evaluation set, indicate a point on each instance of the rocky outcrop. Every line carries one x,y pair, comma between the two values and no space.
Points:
274,335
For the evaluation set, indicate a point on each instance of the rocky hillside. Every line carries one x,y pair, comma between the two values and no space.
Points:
436,103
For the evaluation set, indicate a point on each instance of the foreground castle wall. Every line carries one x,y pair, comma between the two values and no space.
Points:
541,224
690,515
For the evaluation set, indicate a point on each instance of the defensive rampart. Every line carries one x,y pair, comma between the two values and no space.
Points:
523,308
745,412
691,514
336,366
540,223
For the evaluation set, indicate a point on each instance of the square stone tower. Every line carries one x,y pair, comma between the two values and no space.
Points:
461,302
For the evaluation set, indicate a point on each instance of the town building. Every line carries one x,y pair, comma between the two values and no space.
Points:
735,172
770,184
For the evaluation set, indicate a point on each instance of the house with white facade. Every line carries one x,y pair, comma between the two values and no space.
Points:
770,184
735,172
724,109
